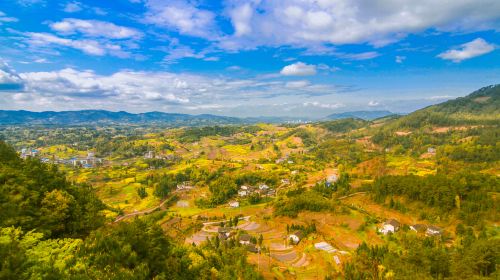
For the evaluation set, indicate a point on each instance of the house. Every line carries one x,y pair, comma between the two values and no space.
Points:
285,181
271,192
419,228
389,226
184,186
431,150
149,155
245,239
245,188
234,204
242,193
296,236
224,232
332,179
433,231
263,187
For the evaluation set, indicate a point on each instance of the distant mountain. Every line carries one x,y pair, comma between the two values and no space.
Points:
86,117
365,115
479,107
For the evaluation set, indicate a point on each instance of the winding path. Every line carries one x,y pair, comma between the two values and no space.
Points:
143,212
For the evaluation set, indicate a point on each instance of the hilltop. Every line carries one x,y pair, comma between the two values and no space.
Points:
482,107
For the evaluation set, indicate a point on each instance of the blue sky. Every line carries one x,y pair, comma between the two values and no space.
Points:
294,58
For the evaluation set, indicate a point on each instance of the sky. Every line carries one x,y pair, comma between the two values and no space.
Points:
296,58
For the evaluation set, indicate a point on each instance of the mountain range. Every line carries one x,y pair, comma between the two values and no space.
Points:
479,106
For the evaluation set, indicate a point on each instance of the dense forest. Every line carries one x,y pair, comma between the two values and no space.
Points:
54,229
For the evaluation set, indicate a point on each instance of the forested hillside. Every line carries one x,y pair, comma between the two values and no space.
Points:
481,107
53,229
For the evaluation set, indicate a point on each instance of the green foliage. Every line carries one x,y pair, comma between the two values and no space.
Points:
37,196
426,258
344,125
135,250
441,191
141,192
222,189
309,200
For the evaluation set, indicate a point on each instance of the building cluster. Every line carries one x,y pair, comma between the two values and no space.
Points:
392,226
262,189
229,233
86,162
26,153
153,155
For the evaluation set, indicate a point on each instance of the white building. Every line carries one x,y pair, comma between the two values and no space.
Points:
390,226
242,193
263,187
234,204
296,237
433,231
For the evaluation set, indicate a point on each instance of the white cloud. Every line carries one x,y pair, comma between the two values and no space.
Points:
182,16
359,56
95,28
400,58
72,7
299,69
143,91
5,18
297,84
240,18
309,23
468,50
91,47
373,103
323,105
9,79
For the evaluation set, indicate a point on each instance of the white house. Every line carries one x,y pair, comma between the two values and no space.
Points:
296,237
332,179
245,239
234,204
263,187
389,226
418,228
244,187
433,231
431,150
242,193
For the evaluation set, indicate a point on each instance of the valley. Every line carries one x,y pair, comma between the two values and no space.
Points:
323,200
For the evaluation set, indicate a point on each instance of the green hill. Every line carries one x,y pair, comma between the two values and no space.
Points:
481,107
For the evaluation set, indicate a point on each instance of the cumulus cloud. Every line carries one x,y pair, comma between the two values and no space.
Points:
298,69
181,16
72,7
91,47
468,50
139,90
94,28
5,18
373,103
399,59
307,23
9,79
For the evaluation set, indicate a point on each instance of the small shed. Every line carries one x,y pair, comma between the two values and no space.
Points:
296,236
